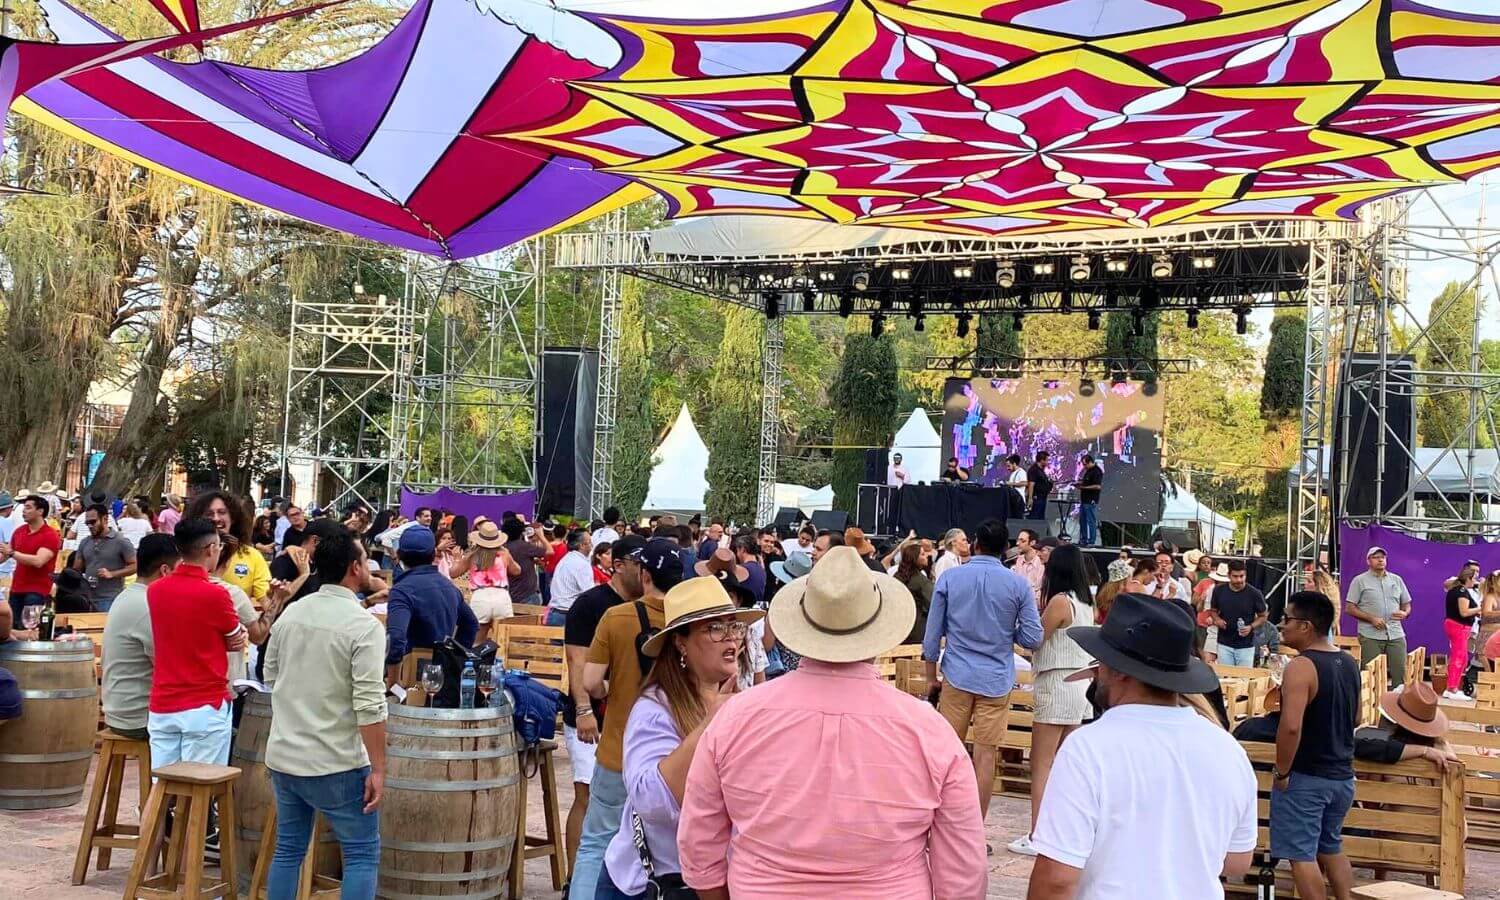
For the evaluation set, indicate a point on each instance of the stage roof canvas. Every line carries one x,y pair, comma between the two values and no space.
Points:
478,123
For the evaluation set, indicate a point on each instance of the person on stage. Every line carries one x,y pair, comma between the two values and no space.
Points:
1020,488
898,476
1090,487
955,473
1041,485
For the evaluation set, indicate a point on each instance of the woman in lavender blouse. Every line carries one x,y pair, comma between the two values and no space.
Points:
695,671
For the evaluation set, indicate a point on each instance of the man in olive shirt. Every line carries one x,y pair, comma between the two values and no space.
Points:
614,658
326,751
128,649
1379,600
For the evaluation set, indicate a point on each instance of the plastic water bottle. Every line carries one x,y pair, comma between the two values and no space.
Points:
468,682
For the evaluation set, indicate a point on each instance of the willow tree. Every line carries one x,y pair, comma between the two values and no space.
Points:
865,393
635,433
108,274
733,418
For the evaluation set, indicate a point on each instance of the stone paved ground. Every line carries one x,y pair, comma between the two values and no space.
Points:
39,847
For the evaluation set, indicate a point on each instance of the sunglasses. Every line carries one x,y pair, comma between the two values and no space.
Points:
1296,619
719,632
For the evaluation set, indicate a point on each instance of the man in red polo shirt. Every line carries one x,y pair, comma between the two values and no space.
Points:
34,546
193,627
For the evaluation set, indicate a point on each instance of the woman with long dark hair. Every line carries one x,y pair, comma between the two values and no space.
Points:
1061,705
911,571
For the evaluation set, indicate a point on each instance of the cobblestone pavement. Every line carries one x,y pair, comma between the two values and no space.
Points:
40,845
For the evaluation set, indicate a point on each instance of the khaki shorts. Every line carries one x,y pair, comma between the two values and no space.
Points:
490,603
987,715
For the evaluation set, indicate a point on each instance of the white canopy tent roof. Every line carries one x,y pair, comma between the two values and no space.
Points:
1446,471
1183,508
920,447
814,501
679,477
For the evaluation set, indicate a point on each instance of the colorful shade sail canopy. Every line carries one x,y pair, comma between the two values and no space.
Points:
476,124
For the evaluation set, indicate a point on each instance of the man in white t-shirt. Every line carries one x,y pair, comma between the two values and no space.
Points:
897,476
608,533
1015,478
1125,812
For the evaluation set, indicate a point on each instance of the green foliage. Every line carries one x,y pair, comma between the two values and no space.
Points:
732,425
865,393
1120,343
1281,387
1444,409
635,435
996,335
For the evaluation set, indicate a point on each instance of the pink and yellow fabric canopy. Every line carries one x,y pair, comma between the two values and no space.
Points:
478,123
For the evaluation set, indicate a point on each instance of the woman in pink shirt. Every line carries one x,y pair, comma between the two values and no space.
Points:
827,781
170,515
489,567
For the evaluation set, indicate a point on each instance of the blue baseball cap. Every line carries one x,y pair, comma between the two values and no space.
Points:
417,539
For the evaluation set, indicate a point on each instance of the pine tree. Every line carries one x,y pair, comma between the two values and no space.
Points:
733,432
635,432
866,394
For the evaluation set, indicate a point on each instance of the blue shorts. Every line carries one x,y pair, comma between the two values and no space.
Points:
1307,819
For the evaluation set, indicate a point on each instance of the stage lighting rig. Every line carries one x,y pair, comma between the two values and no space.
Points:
901,273
827,276
1116,265
767,278
846,306
877,325
736,285
861,281
1241,320
1005,276
1203,263
1043,269
1161,266
1079,269
963,324
700,278
964,271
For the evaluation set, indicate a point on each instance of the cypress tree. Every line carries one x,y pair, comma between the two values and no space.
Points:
635,432
1281,389
733,421
866,394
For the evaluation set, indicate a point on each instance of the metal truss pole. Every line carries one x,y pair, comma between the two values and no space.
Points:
770,420
606,397
1311,525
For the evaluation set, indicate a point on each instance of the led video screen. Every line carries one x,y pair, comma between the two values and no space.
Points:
986,420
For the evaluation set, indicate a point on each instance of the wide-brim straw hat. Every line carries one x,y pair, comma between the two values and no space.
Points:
1415,708
1192,558
841,611
1220,573
46,487
487,535
693,601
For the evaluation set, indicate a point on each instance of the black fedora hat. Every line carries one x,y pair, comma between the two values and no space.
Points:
1151,641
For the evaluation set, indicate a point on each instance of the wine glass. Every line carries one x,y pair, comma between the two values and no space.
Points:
31,616
432,680
486,681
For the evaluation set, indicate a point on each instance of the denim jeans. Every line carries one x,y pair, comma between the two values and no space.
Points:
600,823
199,735
1088,523
606,890
557,618
340,797
1236,656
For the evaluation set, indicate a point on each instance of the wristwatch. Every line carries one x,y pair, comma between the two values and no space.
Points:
1277,774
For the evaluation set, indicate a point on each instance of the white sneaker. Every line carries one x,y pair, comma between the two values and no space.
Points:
1455,695
1022,845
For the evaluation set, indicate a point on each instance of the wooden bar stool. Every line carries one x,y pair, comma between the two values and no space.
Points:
195,786
551,845
309,885
101,827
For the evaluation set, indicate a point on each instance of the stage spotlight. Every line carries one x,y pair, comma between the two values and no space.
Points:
963,325
773,305
919,323
901,273
1079,270
1094,319
1161,265
1150,297
1018,321
827,275
1005,276
877,325
1203,263
1043,268
1085,386
700,278
809,300
1192,317
1065,300
1241,320
1116,265
1137,323
846,306
767,278
736,285
1024,299
963,271
861,281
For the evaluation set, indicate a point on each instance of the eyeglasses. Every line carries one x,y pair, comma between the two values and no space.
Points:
719,632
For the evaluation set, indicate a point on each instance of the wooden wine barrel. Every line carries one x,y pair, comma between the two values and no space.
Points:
254,796
448,817
46,753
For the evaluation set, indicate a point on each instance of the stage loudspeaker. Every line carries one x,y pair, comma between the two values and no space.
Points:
787,518
830,520
1182,539
1044,528
875,467
565,458
1361,392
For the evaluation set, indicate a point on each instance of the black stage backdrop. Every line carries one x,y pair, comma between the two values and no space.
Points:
987,419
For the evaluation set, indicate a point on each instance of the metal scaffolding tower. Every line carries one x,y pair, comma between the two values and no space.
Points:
607,399
770,420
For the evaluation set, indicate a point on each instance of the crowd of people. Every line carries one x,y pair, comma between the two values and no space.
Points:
821,777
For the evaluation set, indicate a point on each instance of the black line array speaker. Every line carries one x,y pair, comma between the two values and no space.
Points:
876,462
1362,395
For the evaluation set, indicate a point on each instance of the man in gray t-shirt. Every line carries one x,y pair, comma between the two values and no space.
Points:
104,558
1379,601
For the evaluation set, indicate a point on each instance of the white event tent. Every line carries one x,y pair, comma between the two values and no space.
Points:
679,475
920,447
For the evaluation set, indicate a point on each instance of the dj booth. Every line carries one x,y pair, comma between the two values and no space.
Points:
932,509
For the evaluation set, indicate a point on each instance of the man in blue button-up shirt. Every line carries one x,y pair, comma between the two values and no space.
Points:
983,609
425,606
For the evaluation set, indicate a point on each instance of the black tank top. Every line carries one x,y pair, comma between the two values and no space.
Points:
1327,747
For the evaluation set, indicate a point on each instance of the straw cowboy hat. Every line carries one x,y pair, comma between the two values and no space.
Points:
46,487
1416,709
693,601
487,535
1220,573
1191,558
842,611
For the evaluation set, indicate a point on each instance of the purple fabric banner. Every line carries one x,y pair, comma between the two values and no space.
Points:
1423,565
491,506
